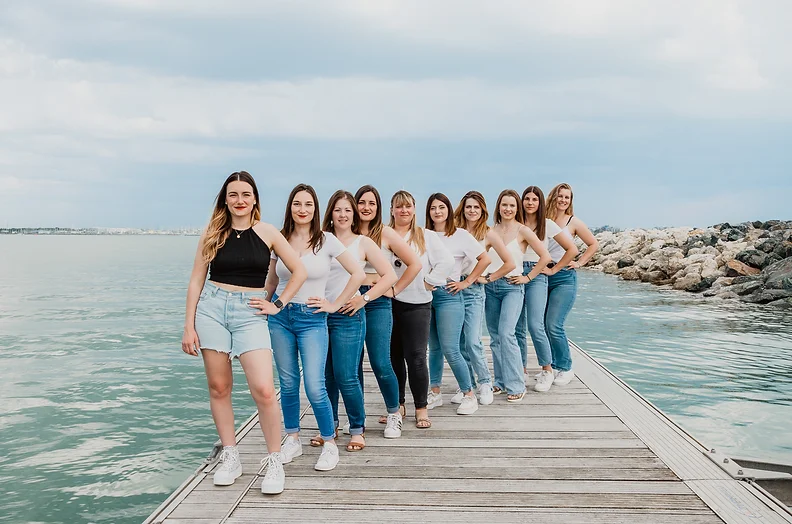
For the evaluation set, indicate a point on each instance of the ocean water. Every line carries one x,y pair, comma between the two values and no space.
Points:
102,415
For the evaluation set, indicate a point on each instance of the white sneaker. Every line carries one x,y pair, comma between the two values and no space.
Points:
457,399
562,378
230,468
328,459
291,449
435,400
345,429
485,394
274,479
543,381
468,406
393,428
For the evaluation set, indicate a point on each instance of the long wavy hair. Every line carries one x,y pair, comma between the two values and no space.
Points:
450,227
480,228
401,198
220,224
540,211
375,226
317,238
519,216
552,197
327,223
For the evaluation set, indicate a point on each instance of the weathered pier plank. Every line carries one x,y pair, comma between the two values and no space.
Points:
590,452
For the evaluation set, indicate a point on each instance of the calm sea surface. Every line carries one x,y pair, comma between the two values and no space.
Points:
102,415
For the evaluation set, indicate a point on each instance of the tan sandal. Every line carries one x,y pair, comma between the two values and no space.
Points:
496,390
318,441
356,446
515,397
423,423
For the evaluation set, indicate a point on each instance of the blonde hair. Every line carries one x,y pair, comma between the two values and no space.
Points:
552,210
220,224
480,228
416,237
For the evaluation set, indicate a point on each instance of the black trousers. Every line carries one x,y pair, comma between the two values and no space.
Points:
409,341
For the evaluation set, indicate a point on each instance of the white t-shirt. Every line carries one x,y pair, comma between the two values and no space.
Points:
318,267
339,277
551,230
556,251
437,264
463,247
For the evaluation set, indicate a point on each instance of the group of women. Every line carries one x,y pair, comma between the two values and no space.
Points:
318,291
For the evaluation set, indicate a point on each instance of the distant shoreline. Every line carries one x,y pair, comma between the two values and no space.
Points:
96,231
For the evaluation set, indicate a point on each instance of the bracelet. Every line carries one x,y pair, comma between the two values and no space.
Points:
393,288
529,279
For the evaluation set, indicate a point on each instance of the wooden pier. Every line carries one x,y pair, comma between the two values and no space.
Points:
593,451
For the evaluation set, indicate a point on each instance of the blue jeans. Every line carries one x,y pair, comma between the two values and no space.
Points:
502,310
532,319
297,330
379,325
445,332
470,342
561,293
341,372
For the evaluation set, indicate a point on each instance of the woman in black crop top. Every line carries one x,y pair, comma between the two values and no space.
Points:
220,323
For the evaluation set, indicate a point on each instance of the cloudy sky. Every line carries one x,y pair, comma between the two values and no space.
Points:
131,113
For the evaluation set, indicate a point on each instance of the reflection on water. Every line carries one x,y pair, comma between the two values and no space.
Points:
103,415
722,370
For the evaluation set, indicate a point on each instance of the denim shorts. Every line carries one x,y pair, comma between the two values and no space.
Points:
226,323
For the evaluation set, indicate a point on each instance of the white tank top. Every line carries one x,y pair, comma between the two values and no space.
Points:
516,253
338,277
555,249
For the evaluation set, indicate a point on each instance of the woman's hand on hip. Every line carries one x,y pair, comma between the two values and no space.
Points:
321,304
265,306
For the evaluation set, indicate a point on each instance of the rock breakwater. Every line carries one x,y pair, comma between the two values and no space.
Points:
751,261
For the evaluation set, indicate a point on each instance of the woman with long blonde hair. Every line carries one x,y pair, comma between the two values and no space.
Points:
504,300
471,214
562,283
532,318
379,311
412,305
220,323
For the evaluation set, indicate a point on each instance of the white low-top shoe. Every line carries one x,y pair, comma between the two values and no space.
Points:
393,428
274,478
291,449
468,406
544,381
230,467
434,400
457,398
328,459
485,394
562,378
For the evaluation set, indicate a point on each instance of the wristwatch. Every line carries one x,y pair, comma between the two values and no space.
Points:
278,303
366,298
487,277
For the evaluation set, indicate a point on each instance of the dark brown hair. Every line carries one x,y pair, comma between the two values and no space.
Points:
327,223
317,238
540,212
375,227
450,227
220,224
519,216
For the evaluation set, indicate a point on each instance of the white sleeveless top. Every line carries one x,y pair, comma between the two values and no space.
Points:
556,251
551,230
318,267
338,277
514,250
